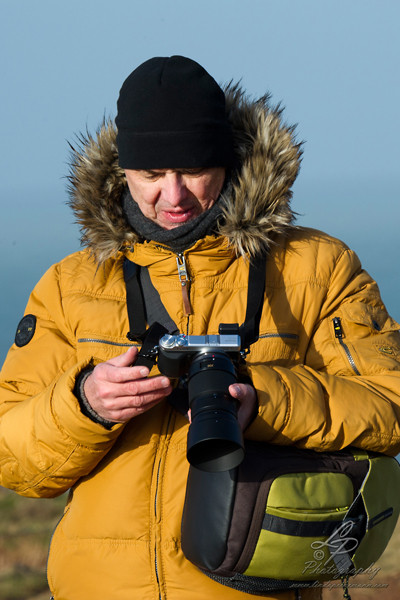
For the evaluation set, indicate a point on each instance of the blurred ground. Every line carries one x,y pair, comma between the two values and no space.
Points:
26,526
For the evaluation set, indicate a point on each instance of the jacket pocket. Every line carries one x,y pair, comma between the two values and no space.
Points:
100,346
368,337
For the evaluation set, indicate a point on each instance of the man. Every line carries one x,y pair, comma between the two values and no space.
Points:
195,185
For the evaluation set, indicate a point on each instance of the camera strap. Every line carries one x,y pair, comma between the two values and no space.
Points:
249,330
136,306
134,302
144,304
138,331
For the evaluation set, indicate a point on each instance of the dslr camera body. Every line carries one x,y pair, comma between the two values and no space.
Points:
209,363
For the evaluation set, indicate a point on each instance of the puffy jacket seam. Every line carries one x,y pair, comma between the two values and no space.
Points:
78,445
108,541
212,283
289,402
339,258
28,389
49,473
387,437
383,371
85,292
312,281
378,435
45,474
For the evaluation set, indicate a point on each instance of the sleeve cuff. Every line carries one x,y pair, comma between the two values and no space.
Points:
85,406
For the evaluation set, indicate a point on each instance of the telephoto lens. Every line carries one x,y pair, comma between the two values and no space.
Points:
215,440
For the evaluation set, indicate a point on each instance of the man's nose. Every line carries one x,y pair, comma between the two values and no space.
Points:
174,188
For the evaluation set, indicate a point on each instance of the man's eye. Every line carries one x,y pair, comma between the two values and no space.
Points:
192,172
149,176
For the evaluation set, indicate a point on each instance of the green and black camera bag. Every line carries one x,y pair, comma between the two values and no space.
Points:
287,517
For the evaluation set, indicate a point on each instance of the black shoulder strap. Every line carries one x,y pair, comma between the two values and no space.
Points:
134,302
249,330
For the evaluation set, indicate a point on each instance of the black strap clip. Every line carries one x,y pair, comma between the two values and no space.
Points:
149,351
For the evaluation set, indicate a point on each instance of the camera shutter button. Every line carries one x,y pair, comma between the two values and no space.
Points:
168,341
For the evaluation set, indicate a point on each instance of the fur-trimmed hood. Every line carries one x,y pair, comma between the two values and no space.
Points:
256,204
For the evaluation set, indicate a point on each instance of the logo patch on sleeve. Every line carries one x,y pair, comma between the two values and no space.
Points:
25,330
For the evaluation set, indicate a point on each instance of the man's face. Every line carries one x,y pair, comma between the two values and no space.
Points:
173,197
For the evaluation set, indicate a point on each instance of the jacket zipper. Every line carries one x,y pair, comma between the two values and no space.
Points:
290,336
156,513
185,284
337,325
100,341
155,542
184,281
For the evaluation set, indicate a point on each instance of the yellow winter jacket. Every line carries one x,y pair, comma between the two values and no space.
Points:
120,535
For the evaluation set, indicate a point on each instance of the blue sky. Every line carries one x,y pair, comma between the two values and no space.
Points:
333,64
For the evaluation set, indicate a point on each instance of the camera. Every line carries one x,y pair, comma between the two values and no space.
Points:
209,364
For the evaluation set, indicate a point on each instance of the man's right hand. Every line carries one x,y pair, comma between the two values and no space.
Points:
118,391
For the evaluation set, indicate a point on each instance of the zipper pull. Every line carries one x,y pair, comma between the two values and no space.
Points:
337,326
185,282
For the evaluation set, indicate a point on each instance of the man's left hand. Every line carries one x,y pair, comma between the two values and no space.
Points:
247,397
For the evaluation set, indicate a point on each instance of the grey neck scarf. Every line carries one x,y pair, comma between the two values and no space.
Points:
178,239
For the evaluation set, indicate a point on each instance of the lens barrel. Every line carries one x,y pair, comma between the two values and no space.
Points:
215,440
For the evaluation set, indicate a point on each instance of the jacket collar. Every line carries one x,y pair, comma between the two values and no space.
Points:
209,256
256,206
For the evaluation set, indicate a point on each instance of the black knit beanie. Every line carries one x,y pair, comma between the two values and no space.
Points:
171,115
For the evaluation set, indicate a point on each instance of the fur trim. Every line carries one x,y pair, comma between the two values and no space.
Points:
256,205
